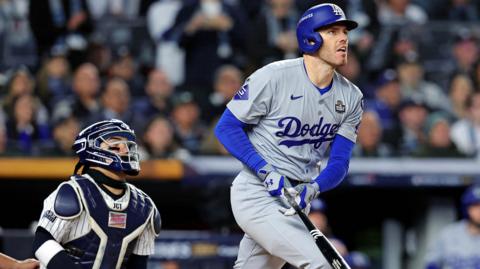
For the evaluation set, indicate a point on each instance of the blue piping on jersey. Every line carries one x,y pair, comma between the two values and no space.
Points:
230,132
338,164
321,90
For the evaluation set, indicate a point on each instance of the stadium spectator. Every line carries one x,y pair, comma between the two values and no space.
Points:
465,132
460,89
438,144
212,33
414,86
124,66
64,131
189,129
169,56
85,86
228,80
465,52
457,244
386,103
369,139
411,135
274,34
27,125
100,54
401,13
54,80
61,25
19,81
115,102
157,140
155,100
17,44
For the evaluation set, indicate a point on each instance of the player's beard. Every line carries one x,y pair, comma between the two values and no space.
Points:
333,59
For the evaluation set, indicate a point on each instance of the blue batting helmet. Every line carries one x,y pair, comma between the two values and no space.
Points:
309,40
87,146
470,196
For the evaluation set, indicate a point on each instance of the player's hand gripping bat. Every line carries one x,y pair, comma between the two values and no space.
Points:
327,249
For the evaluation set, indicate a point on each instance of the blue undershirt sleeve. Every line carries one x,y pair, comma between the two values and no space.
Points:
230,131
338,163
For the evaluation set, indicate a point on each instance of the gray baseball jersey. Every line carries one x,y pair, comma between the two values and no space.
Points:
455,248
65,230
294,123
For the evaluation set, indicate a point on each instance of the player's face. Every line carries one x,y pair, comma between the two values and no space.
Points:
474,213
335,45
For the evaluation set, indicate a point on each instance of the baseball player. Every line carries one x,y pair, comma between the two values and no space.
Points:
280,124
458,245
7,262
96,220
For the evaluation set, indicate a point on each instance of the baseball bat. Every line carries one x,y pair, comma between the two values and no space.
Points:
328,250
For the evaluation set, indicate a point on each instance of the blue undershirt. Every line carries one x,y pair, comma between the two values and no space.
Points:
230,131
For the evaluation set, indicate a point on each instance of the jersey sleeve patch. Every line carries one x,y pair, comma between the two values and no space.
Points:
67,203
242,94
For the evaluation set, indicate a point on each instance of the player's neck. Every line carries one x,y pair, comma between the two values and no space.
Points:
120,176
318,71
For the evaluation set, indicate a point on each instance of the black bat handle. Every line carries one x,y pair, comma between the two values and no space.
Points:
327,249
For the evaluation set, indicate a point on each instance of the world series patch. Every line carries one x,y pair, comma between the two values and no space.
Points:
117,220
339,107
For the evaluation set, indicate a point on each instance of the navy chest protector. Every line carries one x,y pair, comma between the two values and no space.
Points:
113,233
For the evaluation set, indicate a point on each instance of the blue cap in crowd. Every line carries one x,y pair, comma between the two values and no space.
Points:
358,260
318,205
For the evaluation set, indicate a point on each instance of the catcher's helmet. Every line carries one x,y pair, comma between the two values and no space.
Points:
470,196
309,40
87,146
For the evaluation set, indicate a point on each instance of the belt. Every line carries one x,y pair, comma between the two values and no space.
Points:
294,182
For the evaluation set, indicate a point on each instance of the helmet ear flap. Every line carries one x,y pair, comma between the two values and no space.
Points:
312,42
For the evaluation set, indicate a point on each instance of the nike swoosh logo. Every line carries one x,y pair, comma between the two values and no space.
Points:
295,97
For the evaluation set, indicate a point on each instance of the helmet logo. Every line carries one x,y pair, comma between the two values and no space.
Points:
310,15
337,10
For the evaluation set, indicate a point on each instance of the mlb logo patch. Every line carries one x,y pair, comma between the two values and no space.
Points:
117,220
50,216
242,94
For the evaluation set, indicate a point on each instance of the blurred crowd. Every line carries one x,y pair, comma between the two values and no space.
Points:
168,67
